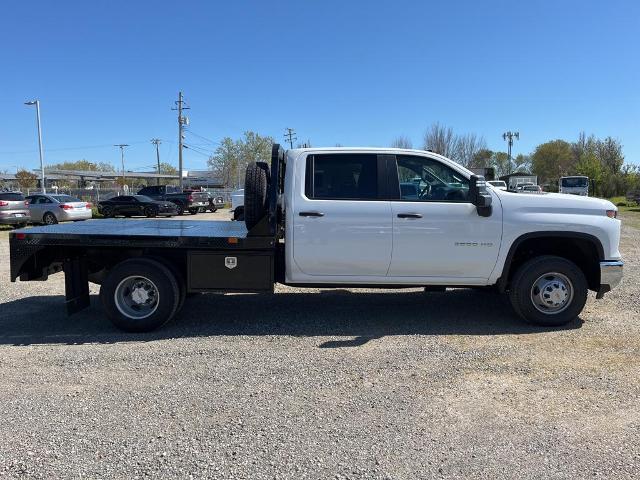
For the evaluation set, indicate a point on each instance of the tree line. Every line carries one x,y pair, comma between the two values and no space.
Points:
602,160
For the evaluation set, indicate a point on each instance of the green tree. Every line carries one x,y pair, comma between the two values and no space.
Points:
481,159
82,165
26,179
225,160
552,160
168,169
231,158
500,162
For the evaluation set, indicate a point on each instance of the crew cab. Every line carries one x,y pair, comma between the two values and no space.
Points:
186,201
338,217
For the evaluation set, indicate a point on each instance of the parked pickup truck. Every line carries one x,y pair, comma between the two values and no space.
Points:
191,202
337,217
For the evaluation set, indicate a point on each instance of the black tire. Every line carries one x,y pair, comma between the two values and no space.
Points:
238,214
150,212
49,219
194,211
179,208
107,212
255,193
162,279
213,209
560,279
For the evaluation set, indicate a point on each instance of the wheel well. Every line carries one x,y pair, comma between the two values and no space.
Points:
582,250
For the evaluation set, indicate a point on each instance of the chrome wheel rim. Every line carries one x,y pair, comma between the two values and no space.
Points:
136,297
49,219
552,293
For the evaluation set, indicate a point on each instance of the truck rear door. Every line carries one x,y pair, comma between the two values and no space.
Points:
342,226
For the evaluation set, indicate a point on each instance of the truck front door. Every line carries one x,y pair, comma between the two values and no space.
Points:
342,227
440,236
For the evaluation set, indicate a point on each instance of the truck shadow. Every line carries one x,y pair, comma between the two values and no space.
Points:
355,318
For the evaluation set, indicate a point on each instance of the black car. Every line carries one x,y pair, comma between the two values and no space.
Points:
130,205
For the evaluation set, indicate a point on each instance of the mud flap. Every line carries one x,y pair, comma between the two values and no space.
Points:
76,284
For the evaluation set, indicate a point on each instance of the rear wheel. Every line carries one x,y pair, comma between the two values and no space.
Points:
140,295
549,291
49,219
193,211
179,209
255,193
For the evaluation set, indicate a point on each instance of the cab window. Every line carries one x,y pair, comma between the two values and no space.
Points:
342,177
425,179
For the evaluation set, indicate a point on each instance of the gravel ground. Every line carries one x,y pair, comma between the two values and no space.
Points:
321,384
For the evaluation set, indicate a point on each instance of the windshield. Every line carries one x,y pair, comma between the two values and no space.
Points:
575,182
143,198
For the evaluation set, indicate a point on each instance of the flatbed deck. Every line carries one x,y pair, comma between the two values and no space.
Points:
147,233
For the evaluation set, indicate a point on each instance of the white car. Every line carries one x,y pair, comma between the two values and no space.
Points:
237,204
53,208
499,184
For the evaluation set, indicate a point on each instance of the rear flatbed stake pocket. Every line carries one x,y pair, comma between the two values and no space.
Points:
341,217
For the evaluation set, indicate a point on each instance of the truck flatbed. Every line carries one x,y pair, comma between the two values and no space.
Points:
148,233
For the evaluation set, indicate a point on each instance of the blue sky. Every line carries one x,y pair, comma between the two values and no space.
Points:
348,72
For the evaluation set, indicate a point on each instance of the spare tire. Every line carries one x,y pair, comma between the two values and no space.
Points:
255,193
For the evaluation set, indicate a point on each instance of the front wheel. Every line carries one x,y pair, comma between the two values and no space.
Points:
179,209
150,212
193,211
140,295
107,212
548,291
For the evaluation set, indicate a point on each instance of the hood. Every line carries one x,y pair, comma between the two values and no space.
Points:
555,202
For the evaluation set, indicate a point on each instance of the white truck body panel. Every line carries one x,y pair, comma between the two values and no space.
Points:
364,242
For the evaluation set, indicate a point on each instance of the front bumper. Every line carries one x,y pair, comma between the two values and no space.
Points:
610,276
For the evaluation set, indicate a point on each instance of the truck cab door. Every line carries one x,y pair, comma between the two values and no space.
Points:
440,237
341,218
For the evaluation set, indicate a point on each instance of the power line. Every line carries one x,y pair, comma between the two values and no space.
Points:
290,136
202,138
198,149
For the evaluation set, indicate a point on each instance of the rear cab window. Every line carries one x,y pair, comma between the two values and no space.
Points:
342,176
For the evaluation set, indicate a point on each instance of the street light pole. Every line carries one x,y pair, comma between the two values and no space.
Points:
37,104
122,145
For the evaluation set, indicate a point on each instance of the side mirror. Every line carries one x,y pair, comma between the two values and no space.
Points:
479,195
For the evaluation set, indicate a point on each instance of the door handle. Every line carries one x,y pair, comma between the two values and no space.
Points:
409,215
311,214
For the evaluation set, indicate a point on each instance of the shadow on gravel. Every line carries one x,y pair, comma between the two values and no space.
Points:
360,317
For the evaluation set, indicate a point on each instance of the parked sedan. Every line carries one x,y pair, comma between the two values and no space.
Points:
53,208
132,205
14,209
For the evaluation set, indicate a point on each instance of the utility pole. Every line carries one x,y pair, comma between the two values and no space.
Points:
508,137
37,104
182,121
122,146
157,142
290,136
